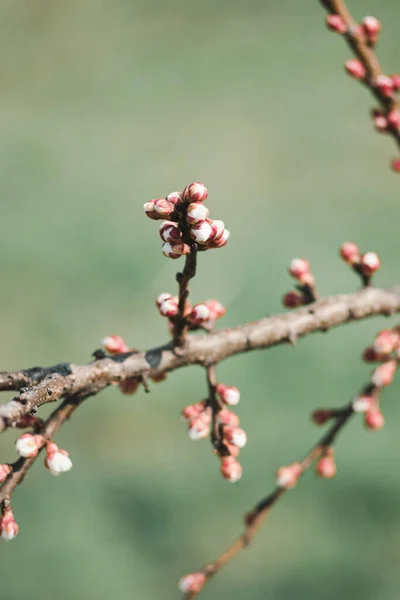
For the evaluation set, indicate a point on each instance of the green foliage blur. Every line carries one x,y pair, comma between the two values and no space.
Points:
103,105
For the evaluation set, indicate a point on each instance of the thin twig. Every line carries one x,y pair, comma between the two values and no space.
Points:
189,271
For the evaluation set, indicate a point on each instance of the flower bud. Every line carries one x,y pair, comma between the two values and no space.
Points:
201,232
57,461
386,341
299,268
232,449
217,228
195,192
393,119
5,470
385,85
355,68
28,445
395,164
370,263
384,374
196,211
236,436
114,344
336,23
287,477
231,469
170,232
363,403
191,411
293,299
220,240
149,210
169,308
129,386
372,28
374,419
163,207
8,525
192,583
229,394
175,250
396,81
175,197
198,428
381,123
200,314
163,297
217,310
326,466
227,417
350,253
322,416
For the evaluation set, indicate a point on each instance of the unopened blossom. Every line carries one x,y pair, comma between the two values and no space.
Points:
386,341
8,525
57,461
217,228
193,410
363,403
28,445
220,241
170,232
355,68
114,344
374,419
175,197
229,394
199,428
395,164
217,310
192,583
326,467
370,263
201,232
336,23
393,118
385,85
195,192
299,268
287,477
5,470
236,436
227,417
384,373
231,469
196,211
175,250
163,207
199,314
169,308
372,27
350,253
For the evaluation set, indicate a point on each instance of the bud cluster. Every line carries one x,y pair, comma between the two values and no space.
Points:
365,265
233,438
187,223
306,291
203,314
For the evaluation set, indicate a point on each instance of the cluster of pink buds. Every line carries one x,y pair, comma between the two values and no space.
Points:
57,461
187,223
233,438
8,525
203,314
364,265
305,291
369,28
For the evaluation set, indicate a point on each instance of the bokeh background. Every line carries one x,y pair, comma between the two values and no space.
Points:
105,104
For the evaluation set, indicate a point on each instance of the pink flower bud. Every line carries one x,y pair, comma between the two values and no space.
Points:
384,374
381,123
196,212
217,228
236,436
169,308
386,341
326,466
28,445
175,197
163,207
227,417
293,299
175,250
372,28
149,210
229,394
162,298
219,241
195,192
192,583
231,469
355,68
322,416
129,386
287,477
8,525
393,119
200,314
395,164
114,344
370,263
191,411
299,268
385,85
232,449
198,429
374,419
217,310
336,23
5,470
363,403
170,232
201,232
350,253
57,461
396,81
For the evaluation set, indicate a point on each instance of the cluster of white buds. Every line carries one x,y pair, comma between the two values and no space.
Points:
234,438
305,291
203,314
365,265
187,221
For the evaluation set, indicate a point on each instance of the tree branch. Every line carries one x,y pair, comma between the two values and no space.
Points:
202,350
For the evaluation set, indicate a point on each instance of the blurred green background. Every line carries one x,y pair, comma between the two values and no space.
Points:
104,105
